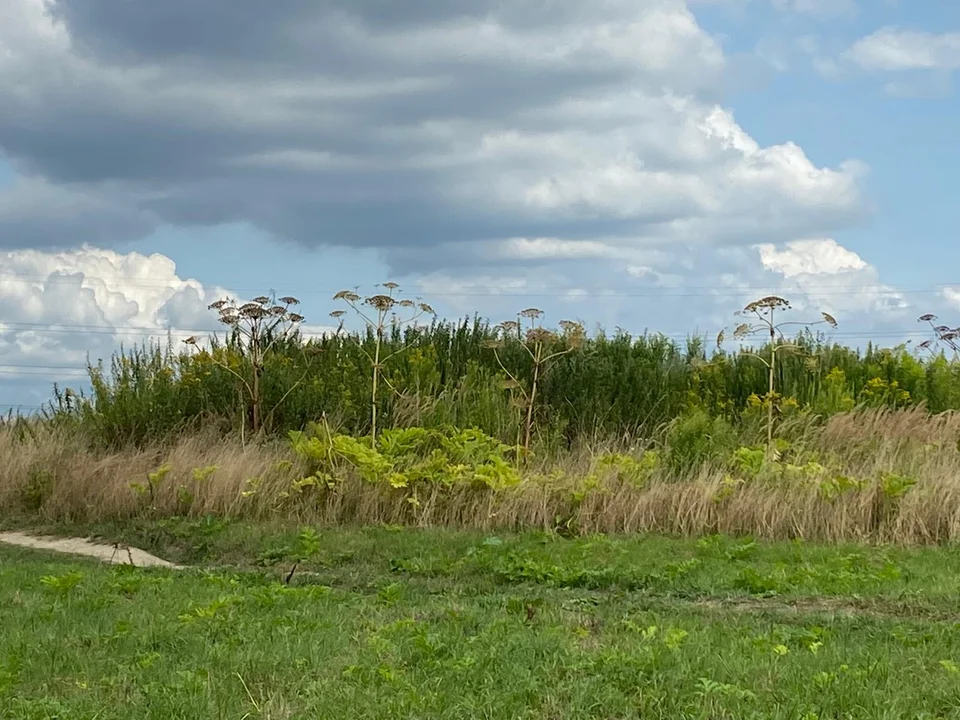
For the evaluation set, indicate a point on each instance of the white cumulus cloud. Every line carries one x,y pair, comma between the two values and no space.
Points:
894,48
59,308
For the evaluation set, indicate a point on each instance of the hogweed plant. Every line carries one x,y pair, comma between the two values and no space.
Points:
762,321
539,343
944,336
380,312
259,325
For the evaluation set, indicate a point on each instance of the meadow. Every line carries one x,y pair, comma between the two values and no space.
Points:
399,623
458,519
505,427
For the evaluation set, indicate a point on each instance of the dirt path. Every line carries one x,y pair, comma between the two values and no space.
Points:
118,554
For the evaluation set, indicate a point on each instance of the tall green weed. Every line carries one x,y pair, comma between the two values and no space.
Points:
612,387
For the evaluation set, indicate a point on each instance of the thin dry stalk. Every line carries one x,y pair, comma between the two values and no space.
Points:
386,311
536,341
260,324
763,314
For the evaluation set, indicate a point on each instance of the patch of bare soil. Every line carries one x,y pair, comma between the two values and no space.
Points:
116,553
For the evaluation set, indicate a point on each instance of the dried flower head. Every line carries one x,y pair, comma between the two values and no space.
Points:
192,340
741,331
347,295
531,313
427,309
229,318
216,305
492,344
252,311
407,304
509,327
771,302
295,318
925,344
721,336
262,299
929,317
540,335
390,285
829,319
277,311
381,303
288,300
337,314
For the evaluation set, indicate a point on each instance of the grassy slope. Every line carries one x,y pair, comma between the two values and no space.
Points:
398,624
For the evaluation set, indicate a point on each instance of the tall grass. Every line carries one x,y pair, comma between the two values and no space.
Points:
872,474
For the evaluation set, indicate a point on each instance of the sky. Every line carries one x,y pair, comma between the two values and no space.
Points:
651,165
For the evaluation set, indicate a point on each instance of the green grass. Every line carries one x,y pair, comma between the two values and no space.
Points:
383,623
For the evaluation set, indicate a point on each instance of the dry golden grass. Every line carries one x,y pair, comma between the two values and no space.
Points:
55,475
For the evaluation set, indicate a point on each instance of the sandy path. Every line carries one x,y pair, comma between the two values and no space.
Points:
118,554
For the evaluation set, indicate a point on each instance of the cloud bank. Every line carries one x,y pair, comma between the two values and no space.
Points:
354,124
486,150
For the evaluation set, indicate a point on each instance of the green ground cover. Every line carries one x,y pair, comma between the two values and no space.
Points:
388,623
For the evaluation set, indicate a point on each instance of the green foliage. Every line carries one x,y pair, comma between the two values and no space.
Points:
62,584
405,458
837,486
629,469
749,461
149,489
459,626
304,547
445,374
894,487
694,437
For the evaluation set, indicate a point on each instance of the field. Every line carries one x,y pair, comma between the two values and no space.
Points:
507,427
391,623
460,521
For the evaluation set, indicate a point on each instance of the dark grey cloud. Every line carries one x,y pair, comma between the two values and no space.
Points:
253,31
38,214
482,146
135,31
371,123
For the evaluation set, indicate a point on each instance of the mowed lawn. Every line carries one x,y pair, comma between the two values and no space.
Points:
387,623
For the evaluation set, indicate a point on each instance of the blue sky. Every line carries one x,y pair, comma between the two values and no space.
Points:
648,164
911,144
